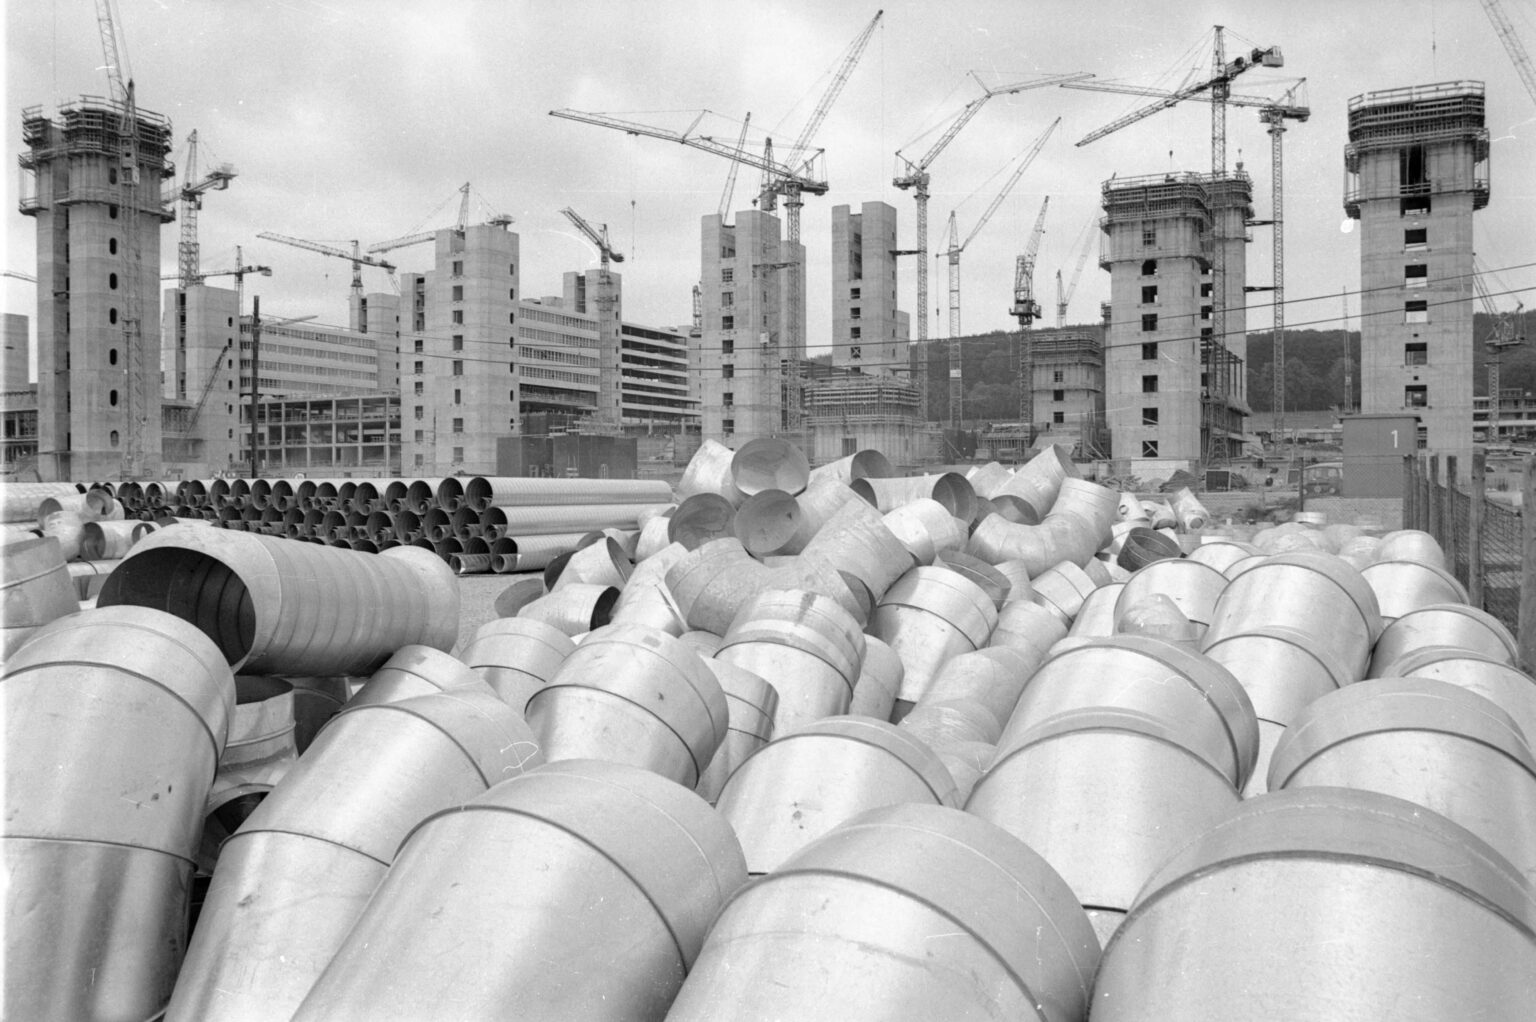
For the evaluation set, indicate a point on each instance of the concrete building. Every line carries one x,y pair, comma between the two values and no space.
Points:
18,401
331,435
1067,389
847,411
1172,392
599,293
307,359
15,357
378,316
459,351
752,311
868,331
98,257
654,391
203,379
1416,167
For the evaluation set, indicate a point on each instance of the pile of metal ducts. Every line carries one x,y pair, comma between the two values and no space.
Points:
1012,745
91,525
477,525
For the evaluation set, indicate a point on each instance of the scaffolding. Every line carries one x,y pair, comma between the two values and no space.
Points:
1445,113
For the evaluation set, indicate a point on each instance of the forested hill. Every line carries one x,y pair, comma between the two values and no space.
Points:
1314,369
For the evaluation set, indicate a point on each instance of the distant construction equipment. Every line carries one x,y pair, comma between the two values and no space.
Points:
1512,44
1505,334
1064,294
355,257
1026,310
952,253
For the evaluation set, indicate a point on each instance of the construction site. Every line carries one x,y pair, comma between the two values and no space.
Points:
639,590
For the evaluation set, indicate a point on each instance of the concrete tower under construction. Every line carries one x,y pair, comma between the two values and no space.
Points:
1416,167
868,332
92,182
1173,390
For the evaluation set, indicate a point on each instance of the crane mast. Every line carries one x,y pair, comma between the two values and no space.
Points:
1505,334
1027,310
355,257
952,253
1512,44
1064,297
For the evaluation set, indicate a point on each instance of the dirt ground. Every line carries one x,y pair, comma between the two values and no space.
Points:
477,599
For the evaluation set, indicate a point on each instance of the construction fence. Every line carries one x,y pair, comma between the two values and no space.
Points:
1489,545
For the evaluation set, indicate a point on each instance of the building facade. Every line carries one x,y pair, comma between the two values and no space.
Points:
752,313
459,353
18,402
1416,167
1173,390
868,332
203,379
1067,388
848,411
98,257
654,392
325,436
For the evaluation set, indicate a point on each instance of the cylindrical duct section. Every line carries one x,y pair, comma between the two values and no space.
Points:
1455,625
293,880
808,781
517,656
275,607
575,610
874,694
36,589
751,702
865,464
629,694
1246,920
929,616
417,670
114,723
845,929
709,471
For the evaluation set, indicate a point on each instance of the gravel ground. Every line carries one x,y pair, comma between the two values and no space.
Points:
477,599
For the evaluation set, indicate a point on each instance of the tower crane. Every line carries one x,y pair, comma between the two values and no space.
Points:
916,177
355,257
789,185
1064,295
460,226
1512,44
192,190
952,253
1505,334
730,177
1219,88
1027,310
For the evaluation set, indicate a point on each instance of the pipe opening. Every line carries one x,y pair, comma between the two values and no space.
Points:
193,586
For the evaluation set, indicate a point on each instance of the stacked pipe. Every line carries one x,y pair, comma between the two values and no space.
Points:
776,646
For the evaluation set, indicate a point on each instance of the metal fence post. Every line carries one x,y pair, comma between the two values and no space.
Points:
1475,527
1525,635
1434,501
1449,518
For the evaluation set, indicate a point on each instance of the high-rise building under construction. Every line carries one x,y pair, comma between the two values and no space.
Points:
1416,167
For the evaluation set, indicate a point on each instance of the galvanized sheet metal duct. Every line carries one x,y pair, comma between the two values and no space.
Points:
575,610
713,582
928,616
806,645
1062,588
634,695
36,588
939,723
293,880
417,670
966,762
600,563
1428,741
987,479
1028,627
1445,624
275,607
114,723
991,581
646,600
709,471
534,553
700,519
1404,586
865,464
1411,545
1249,920
845,929
1193,587
769,463
1097,617
751,703
808,781
1506,686
993,677
1077,526
598,915
1106,796
517,656
927,529
1221,553
767,522
19,501
950,489
1038,482
879,682
857,541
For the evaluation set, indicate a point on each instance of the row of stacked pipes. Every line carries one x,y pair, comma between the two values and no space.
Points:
795,745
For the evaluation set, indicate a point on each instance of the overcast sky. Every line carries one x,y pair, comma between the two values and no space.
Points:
350,119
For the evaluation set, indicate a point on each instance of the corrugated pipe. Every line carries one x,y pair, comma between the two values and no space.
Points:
504,557
808,781
19,501
1074,530
296,877
1242,916
598,916
421,495
483,492
630,694
470,564
114,723
845,929
275,607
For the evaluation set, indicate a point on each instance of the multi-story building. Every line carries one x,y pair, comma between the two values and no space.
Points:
203,378
847,411
330,435
1416,167
1067,388
752,312
1173,390
18,402
868,332
459,355
599,293
98,257
654,380
378,315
